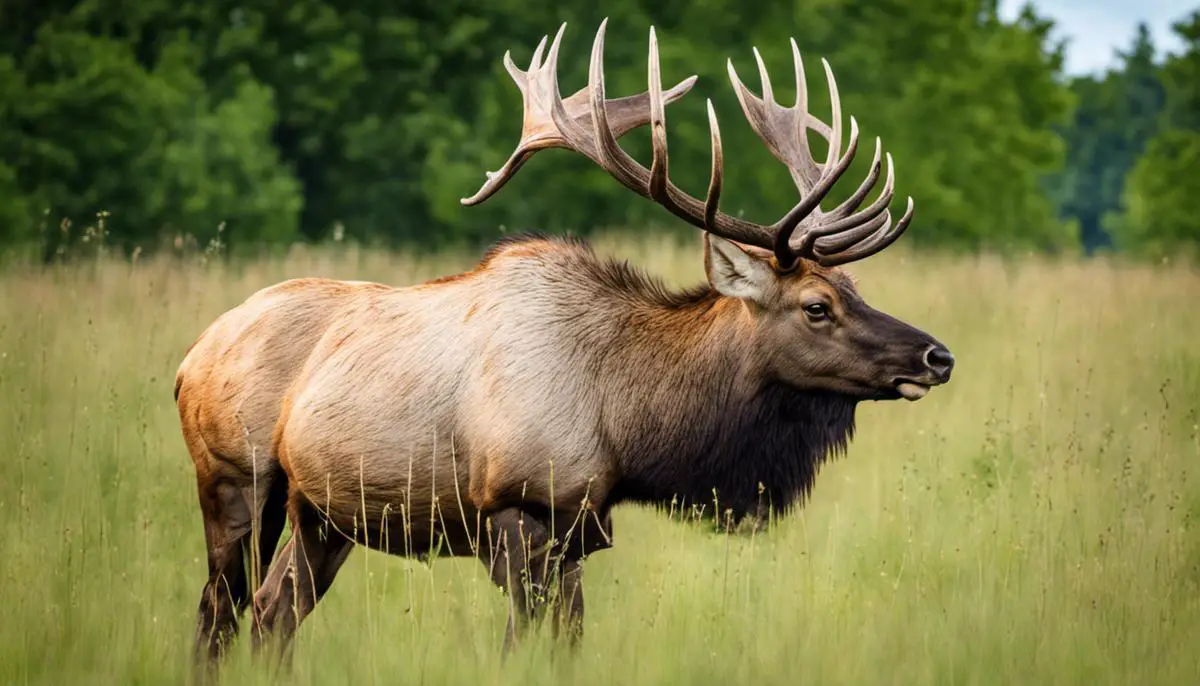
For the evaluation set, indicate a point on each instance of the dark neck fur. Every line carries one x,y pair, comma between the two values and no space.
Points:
778,438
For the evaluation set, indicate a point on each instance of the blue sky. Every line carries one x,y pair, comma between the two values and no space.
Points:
1096,28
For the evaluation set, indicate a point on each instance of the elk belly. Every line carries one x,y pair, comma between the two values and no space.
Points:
399,501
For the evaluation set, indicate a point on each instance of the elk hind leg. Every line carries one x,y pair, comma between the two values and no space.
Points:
298,577
271,520
227,523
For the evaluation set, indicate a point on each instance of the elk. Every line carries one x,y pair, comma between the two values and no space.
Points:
503,412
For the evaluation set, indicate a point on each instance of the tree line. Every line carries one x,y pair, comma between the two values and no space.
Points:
264,122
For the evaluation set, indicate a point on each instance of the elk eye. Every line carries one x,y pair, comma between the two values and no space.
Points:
816,310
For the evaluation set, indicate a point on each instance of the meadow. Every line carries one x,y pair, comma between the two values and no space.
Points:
1037,520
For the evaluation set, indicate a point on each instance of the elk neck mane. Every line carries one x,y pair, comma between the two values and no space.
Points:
612,278
685,412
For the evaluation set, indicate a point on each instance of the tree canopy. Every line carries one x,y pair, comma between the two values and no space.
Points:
271,121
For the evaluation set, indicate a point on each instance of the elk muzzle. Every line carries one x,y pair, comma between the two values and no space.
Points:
939,363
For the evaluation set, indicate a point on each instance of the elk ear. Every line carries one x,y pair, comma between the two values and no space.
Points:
737,273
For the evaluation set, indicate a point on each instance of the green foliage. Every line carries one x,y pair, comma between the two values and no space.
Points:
1162,199
90,117
974,120
221,170
1115,117
1161,196
16,220
283,120
1181,76
149,150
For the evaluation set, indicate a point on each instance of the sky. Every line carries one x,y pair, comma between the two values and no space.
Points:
1097,28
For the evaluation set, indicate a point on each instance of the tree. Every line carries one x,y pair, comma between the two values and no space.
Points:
92,132
1161,199
16,209
968,103
1115,118
1181,77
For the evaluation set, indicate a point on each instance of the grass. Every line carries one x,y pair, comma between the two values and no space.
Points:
1035,521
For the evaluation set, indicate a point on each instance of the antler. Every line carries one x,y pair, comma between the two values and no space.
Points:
842,234
551,122
590,125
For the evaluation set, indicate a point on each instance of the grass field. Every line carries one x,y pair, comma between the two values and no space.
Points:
1036,521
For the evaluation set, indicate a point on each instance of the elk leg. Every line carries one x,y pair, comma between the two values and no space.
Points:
299,576
226,524
272,517
568,608
510,553
267,597
583,537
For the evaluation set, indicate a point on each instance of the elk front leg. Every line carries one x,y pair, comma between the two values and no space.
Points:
568,610
513,553
591,532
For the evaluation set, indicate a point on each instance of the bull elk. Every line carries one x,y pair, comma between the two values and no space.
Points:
503,412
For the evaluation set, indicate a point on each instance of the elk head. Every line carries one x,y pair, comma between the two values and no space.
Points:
809,325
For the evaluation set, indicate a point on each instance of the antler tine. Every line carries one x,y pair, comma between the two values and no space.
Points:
801,82
848,233
717,179
767,94
874,243
610,155
658,124
835,105
536,60
558,110
845,231
849,230
659,185
865,187
801,106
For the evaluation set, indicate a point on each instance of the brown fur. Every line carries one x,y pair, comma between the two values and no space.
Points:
520,400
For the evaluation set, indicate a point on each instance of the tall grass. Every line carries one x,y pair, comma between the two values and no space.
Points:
1035,521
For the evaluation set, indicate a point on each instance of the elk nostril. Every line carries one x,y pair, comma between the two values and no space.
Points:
939,359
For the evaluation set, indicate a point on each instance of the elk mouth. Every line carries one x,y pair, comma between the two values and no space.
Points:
911,390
